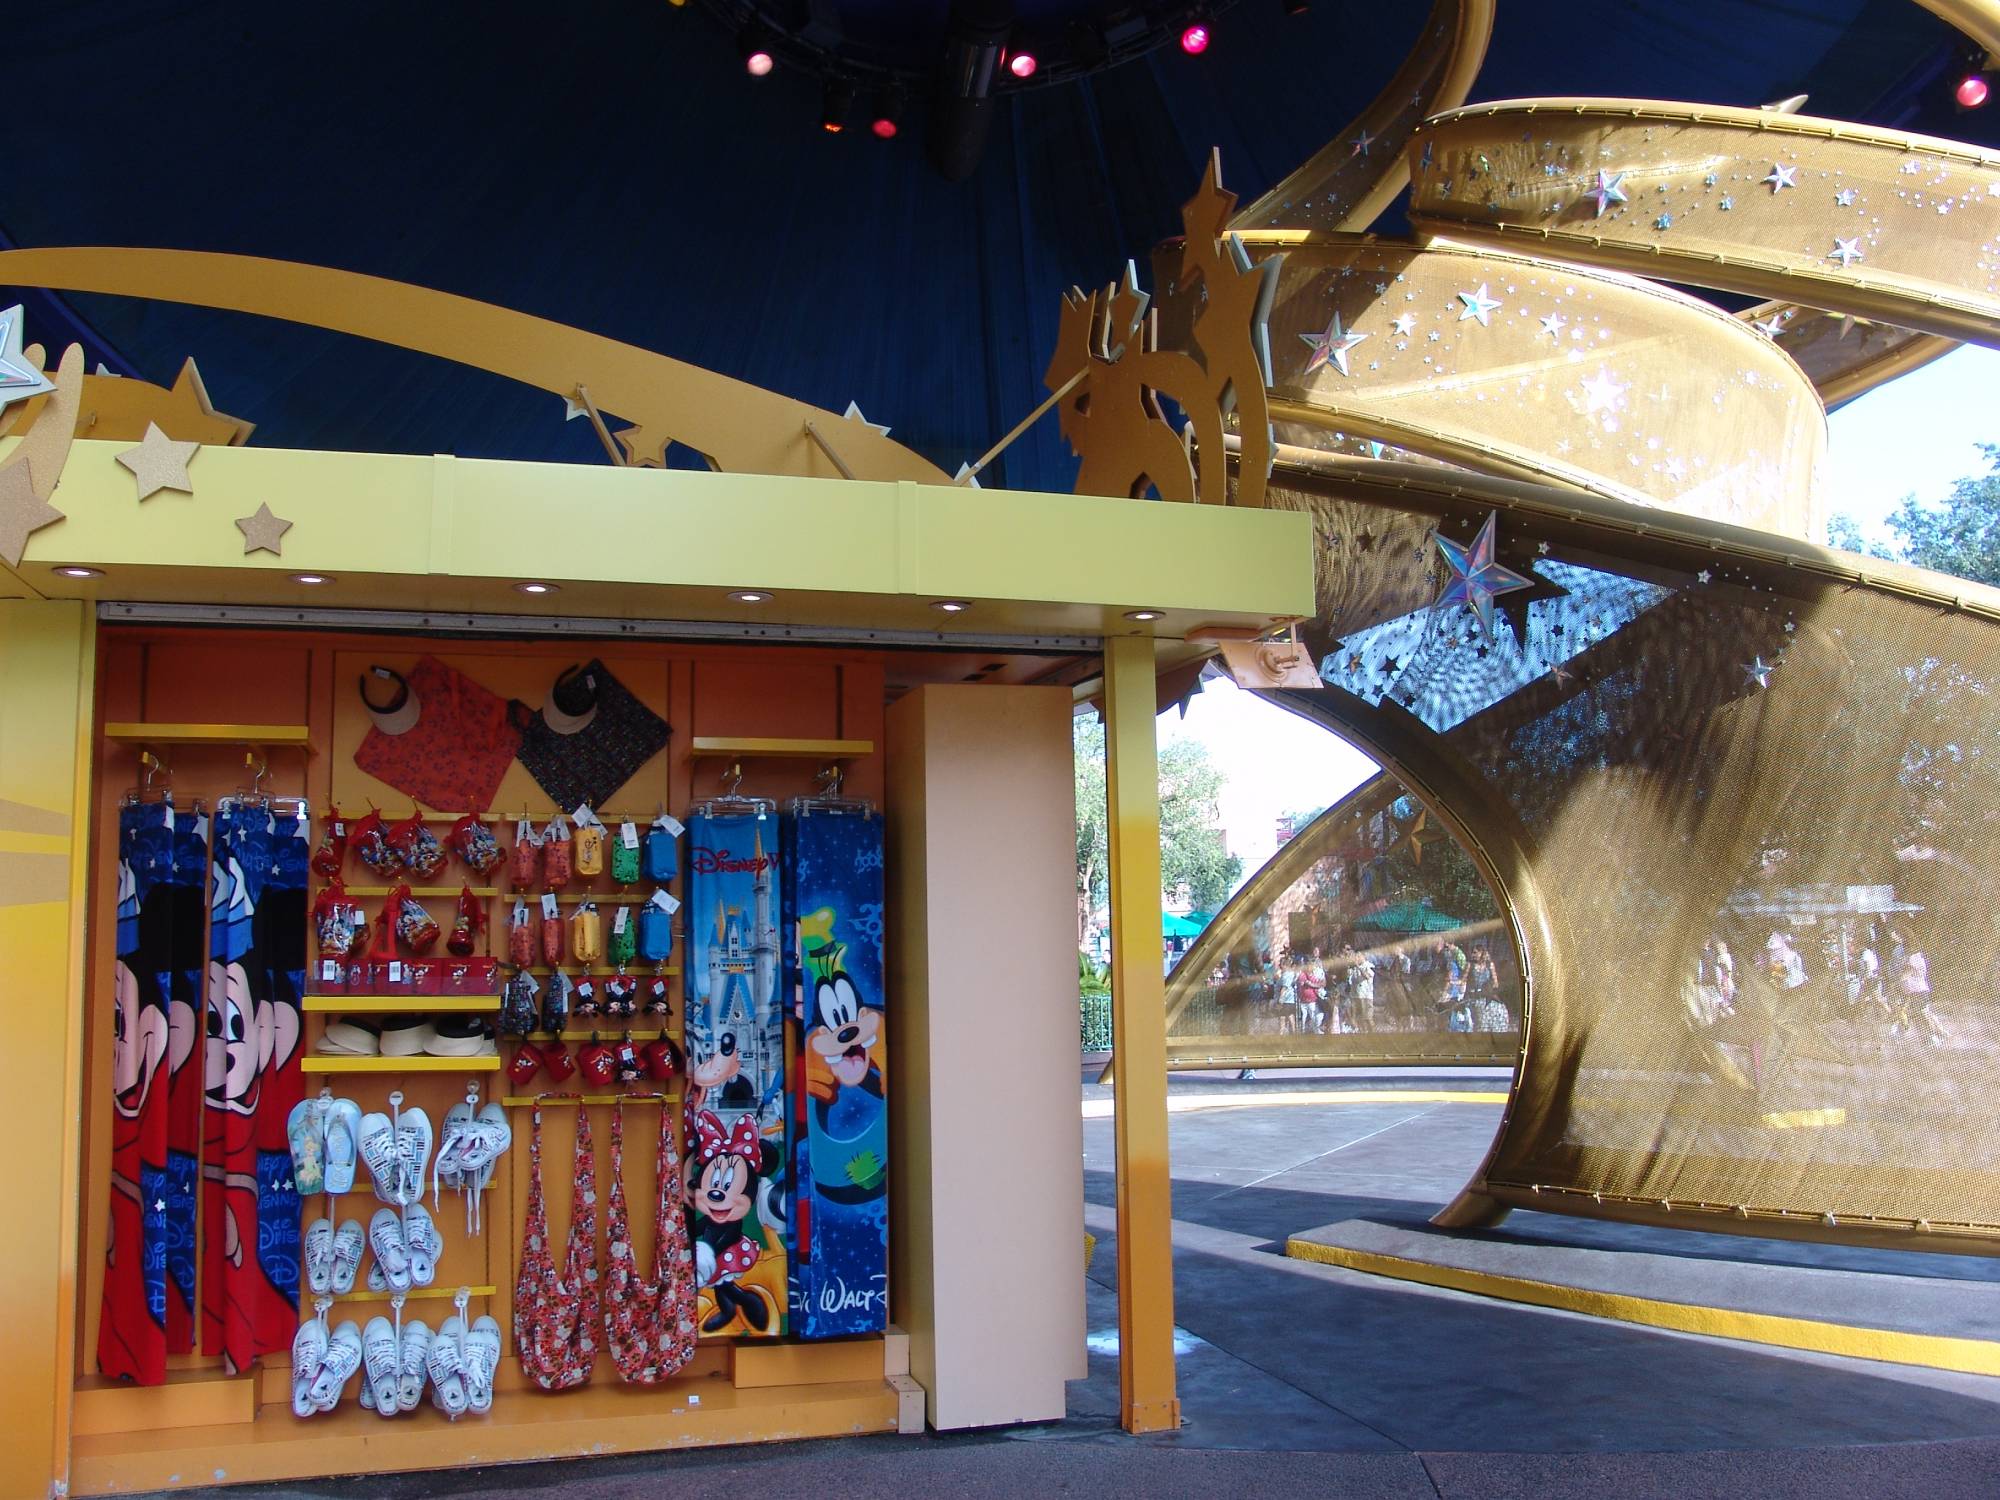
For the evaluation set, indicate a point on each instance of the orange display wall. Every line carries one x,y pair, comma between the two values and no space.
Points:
201,700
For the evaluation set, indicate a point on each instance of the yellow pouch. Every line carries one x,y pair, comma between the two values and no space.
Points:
590,850
586,935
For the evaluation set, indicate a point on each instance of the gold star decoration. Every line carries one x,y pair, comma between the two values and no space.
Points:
643,449
120,409
1415,837
160,463
263,532
21,511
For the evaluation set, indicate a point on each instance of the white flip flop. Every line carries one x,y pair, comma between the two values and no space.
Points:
425,1244
377,1140
414,1364
348,1243
308,1355
383,1357
343,1358
343,1145
319,1256
482,1358
447,1367
305,1132
413,1155
392,1254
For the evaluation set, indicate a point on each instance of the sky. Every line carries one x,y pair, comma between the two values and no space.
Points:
1913,436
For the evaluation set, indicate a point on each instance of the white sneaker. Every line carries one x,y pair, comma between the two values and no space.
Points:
348,1243
447,1367
420,1234
378,1151
319,1256
482,1358
392,1252
413,1155
308,1356
382,1356
414,1364
343,1358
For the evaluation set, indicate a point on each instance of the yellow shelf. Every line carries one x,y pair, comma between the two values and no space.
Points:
423,1062
415,1294
713,746
389,1005
210,734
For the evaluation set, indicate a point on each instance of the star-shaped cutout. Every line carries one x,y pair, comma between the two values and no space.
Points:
853,414
1554,324
1757,672
1330,347
1601,393
642,449
1606,190
1847,252
1475,578
18,379
1404,324
1477,305
21,511
160,463
263,532
1781,177
1845,197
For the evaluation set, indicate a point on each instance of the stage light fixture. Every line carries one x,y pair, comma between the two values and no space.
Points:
754,43
1194,38
1022,65
835,104
885,115
1973,91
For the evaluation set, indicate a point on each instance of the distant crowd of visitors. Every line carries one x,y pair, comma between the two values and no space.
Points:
1411,986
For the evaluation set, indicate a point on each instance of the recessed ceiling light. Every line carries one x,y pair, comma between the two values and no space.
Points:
536,588
311,578
80,572
951,606
1142,614
749,596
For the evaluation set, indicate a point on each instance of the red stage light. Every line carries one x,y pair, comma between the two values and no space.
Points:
1022,65
884,127
1194,40
757,64
1972,91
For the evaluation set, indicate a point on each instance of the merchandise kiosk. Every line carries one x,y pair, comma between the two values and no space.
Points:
728,879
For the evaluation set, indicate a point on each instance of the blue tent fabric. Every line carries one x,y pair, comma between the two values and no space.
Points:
615,168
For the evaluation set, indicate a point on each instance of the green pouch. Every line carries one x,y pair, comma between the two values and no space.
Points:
625,855
622,944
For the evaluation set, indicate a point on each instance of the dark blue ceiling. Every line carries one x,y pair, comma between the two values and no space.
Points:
611,166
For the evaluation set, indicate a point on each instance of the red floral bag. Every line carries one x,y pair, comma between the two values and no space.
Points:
556,1317
649,1325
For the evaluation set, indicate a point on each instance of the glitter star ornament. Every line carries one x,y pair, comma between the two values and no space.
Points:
18,379
1601,393
160,463
1477,305
1554,324
1845,197
1474,577
1606,191
1781,177
1847,252
1330,347
263,532
22,511
1757,672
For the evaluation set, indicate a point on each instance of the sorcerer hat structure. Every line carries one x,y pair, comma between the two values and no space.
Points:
1540,517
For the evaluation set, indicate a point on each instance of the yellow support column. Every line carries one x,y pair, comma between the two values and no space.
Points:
47,668
1147,1399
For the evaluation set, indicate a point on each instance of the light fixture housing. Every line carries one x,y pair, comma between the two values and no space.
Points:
535,586
1144,614
311,580
748,596
79,572
950,606
885,114
1022,65
836,100
1973,91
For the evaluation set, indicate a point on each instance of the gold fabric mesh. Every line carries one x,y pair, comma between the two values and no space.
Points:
1674,746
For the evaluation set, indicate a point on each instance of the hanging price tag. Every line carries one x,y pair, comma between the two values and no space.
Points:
618,921
549,905
628,835
674,827
666,902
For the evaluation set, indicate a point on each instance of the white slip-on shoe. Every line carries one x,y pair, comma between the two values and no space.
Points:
348,1243
319,1256
383,1358
413,1155
343,1145
378,1151
343,1358
392,1253
482,1358
415,1364
447,1367
308,1355
425,1244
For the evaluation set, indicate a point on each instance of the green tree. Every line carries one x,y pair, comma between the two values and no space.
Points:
1192,850
1960,536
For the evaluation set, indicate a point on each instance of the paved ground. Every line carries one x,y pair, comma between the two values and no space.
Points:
1301,1378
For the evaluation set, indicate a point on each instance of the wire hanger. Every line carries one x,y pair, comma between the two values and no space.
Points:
828,798
732,801
252,795
149,766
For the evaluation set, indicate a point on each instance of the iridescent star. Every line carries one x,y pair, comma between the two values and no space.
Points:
1847,252
1601,393
1330,347
1404,324
1477,305
1606,190
1361,144
1758,672
1771,327
1553,325
1845,197
1781,177
1665,221
18,379
1475,578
